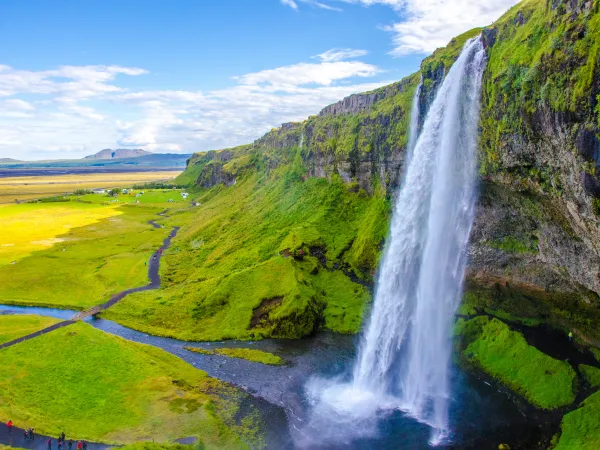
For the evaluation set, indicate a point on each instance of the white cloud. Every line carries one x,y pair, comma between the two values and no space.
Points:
291,3
340,54
428,24
323,74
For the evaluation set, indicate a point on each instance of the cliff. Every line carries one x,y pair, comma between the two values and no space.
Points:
534,249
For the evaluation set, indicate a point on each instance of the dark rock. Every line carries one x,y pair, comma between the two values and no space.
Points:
489,36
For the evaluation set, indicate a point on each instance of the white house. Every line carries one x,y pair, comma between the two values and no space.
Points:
99,191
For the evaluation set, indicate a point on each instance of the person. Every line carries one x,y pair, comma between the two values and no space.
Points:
9,424
32,433
25,435
70,444
59,444
62,436
570,336
84,444
49,442
79,445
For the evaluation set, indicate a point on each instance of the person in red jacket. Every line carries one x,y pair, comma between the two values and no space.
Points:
79,445
9,425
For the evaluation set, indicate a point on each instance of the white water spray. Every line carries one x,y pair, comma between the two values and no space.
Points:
406,349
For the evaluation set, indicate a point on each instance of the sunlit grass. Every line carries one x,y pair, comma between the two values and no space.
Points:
16,326
103,388
30,227
90,262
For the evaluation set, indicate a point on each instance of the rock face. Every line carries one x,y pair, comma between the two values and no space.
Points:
108,153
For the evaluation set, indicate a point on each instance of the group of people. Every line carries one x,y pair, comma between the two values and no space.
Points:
63,444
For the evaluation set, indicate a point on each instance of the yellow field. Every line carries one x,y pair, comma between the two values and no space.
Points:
28,188
34,226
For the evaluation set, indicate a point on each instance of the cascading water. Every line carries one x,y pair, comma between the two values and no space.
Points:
406,348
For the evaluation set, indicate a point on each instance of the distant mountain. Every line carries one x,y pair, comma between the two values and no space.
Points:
119,153
8,160
148,161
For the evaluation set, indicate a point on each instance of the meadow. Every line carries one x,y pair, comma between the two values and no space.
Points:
76,254
33,187
14,327
102,388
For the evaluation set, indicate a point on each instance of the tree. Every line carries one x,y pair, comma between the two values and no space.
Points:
114,192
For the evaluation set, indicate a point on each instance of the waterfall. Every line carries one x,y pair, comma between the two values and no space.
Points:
406,348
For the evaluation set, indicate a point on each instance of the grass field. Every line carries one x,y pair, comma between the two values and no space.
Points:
32,187
504,354
579,428
27,228
16,326
86,253
102,388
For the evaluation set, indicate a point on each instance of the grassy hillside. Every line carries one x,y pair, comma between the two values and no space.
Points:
278,254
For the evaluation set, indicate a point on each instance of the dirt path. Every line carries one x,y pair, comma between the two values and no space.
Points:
154,283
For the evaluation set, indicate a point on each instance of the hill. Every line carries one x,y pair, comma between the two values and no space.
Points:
119,153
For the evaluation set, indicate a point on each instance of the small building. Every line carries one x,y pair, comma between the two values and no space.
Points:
125,191
196,204
184,195
99,191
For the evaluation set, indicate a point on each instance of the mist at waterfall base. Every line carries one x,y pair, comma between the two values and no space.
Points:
403,361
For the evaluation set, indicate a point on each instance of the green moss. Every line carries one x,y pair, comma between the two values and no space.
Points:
579,428
249,354
591,374
504,354
514,245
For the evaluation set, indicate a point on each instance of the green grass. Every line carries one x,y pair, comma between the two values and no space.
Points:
102,388
89,265
257,241
16,326
579,428
154,197
504,354
242,353
591,374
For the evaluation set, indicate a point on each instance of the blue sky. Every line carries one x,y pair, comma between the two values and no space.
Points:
187,75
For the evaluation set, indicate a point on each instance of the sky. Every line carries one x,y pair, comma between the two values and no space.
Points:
182,76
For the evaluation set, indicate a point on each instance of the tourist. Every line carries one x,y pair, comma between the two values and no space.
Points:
79,446
9,424
62,436
59,444
570,336
70,444
25,435
32,433
49,442
84,444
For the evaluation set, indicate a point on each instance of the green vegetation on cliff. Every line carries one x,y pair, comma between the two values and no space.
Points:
277,254
543,61
504,354
103,388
